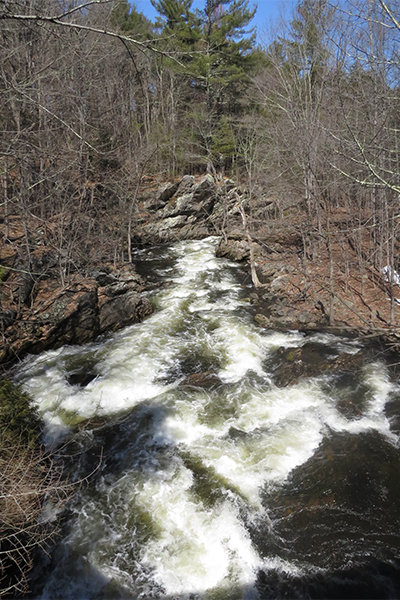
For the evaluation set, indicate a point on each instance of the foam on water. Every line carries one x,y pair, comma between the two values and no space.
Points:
235,439
197,549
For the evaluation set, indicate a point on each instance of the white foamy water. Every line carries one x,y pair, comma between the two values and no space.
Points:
166,518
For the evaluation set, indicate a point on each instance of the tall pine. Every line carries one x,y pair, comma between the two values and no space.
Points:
216,53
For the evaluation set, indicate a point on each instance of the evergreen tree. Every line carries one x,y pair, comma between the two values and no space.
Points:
223,144
178,24
222,71
127,19
227,61
217,57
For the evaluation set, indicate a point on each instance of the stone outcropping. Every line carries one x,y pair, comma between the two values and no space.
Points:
187,209
105,300
292,364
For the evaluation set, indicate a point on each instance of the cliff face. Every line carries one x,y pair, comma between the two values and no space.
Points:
38,312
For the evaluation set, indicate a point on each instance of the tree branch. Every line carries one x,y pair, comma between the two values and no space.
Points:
80,27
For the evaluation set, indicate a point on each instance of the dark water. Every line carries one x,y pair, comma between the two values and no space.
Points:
217,481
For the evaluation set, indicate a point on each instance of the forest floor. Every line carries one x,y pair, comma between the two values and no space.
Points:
336,286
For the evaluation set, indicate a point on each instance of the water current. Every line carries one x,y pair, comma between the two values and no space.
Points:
227,486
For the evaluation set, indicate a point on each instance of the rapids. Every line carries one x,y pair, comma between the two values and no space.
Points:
236,489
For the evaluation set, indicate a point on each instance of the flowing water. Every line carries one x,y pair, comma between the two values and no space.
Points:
235,488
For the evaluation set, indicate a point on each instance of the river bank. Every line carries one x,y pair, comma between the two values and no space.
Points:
296,286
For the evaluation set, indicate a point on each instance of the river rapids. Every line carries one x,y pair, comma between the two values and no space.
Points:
232,489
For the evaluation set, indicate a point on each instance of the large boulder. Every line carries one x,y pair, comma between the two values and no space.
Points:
180,211
122,310
107,300
162,196
192,199
185,185
237,250
289,365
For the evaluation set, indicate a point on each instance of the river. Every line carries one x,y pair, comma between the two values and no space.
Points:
232,489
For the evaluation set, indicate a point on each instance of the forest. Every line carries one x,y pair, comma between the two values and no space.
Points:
97,101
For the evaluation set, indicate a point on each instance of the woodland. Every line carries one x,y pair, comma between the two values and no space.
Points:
99,104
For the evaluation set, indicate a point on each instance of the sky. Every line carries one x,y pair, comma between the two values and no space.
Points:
267,11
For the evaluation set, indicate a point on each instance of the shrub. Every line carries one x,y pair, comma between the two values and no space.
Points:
28,478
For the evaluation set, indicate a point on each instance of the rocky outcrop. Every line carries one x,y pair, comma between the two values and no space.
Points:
122,310
237,250
104,301
190,208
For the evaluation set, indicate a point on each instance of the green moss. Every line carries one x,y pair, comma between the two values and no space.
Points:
18,418
3,273
208,486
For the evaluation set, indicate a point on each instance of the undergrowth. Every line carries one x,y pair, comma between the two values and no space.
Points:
29,478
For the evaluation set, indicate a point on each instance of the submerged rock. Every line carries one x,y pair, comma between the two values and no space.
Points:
202,380
311,360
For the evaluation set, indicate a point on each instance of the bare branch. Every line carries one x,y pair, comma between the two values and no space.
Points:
81,27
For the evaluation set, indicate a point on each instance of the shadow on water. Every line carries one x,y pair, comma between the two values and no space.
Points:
340,514
370,580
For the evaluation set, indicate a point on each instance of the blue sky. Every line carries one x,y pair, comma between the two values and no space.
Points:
267,11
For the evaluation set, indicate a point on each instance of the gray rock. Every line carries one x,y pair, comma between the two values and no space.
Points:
158,230
185,185
162,196
233,249
123,310
168,191
103,277
204,188
172,222
262,320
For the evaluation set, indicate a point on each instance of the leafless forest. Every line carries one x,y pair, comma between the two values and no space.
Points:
96,99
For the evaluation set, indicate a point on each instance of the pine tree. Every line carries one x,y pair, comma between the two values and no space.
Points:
178,24
127,19
224,68
216,54
222,71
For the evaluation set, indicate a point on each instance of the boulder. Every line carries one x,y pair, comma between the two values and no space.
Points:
237,250
204,189
185,185
78,314
310,360
197,200
162,196
122,310
71,319
160,230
